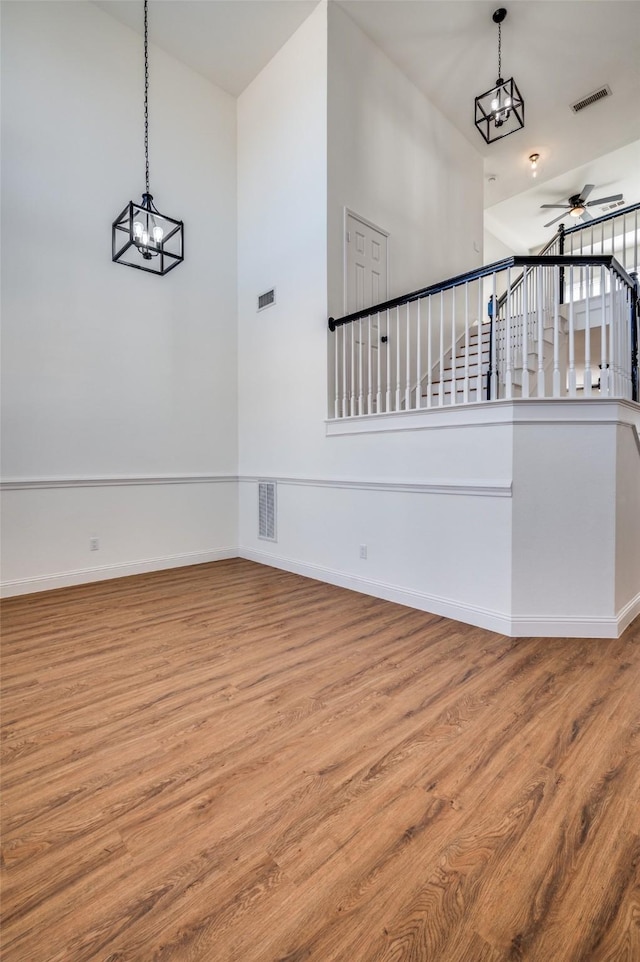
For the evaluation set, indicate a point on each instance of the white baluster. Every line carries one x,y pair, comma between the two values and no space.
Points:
336,375
479,391
378,368
429,355
556,332
572,350
418,358
360,384
407,386
352,406
465,383
493,350
388,346
453,346
587,336
525,334
369,367
616,351
541,392
441,385
604,366
397,407
508,369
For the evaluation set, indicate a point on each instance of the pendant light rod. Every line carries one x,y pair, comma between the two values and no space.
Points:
498,16
146,92
141,236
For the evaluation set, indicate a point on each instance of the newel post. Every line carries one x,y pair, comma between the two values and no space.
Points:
561,252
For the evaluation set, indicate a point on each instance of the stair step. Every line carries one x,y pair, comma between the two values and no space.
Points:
473,359
446,389
448,374
446,400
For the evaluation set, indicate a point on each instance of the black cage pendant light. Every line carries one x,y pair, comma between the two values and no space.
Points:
500,111
141,236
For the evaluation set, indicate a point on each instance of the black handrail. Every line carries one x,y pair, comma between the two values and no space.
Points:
536,260
423,292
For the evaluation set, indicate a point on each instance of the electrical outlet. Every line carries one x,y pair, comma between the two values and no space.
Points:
363,552
94,544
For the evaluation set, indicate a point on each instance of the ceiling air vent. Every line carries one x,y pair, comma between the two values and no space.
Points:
593,98
267,510
618,203
266,299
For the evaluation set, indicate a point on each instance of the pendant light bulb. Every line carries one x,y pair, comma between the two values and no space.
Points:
158,234
137,229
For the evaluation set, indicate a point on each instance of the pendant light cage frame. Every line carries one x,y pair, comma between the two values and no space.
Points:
142,237
130,246
496,123
500,110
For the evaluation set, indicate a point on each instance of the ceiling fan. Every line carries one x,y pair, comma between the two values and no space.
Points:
578,204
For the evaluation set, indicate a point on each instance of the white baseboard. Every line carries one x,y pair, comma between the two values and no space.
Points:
514,627
491,620
630,611
82,576
448,608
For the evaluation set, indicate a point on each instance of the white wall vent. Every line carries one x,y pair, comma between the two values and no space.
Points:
266,299
593,98
267,510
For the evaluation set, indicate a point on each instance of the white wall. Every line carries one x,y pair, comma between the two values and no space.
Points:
427,545
397,161
627,599
576,518
107,371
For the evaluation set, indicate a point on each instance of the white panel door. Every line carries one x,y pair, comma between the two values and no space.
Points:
366,265
365,286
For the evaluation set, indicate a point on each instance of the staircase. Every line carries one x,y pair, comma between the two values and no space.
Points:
564,324
454,373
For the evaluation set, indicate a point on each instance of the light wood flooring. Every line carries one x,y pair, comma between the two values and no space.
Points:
229,763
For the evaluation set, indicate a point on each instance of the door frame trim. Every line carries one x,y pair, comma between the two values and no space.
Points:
348,212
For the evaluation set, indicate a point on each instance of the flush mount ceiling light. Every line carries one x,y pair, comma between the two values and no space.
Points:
533,163
141,236
499,111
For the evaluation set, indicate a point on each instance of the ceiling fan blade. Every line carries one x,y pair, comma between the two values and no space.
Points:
586,190
556,220
558,206
586,216
604,200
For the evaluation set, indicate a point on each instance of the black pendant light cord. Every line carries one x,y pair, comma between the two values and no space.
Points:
146,93
499,50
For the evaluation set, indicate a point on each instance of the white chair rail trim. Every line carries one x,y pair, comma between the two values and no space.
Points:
86,481
483,488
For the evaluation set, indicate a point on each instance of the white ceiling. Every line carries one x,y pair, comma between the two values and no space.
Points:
227,41
558,51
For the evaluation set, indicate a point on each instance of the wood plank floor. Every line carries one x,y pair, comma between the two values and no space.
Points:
230,763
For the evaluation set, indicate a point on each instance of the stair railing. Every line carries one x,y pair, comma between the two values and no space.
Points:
616,233
433,347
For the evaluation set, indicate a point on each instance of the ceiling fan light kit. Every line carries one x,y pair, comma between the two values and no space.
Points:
578,205
500,110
